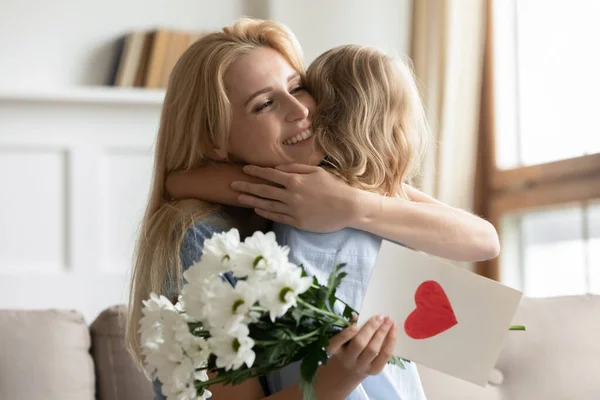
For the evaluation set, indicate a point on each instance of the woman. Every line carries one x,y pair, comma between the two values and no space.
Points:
223,72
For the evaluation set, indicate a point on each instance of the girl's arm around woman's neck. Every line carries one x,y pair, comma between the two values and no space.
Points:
426,224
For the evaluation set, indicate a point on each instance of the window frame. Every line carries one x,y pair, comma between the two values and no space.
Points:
500,191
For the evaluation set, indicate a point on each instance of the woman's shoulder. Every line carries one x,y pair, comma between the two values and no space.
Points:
205,227
194,237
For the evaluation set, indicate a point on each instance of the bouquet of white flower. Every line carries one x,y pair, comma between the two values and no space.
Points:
244,311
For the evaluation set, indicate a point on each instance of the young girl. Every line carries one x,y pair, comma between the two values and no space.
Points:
370,124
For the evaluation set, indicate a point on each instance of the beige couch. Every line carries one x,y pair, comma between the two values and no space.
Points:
558,358
54,355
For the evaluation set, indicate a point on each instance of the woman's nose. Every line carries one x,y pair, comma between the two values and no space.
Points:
296,110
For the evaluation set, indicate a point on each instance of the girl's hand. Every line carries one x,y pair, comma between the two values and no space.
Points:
305,197
368,349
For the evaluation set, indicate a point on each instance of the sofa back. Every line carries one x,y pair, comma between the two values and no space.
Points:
51,355
558,358
117,377
45,355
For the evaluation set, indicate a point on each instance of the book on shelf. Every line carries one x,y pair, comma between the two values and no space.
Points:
146,58
129,59
118,52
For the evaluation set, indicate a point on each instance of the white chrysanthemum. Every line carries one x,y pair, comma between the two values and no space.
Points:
171,353
260,254
195,348
232,348
201,271
151,326
172,393
221,248
196,294
178,379
158,336
182,387
217,257
280,294
159,363
158,316
229,306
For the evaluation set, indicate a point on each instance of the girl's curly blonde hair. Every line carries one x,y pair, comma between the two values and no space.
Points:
369,118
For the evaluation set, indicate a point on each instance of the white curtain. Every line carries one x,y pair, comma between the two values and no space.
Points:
447,52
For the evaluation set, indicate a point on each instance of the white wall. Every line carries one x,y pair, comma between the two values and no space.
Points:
323,24
75,163
71,42
74,173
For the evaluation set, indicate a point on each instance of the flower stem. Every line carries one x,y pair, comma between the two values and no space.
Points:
306,336
323,312
248,373
265,342
517,328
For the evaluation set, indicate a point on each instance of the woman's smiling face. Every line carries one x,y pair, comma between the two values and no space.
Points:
271,112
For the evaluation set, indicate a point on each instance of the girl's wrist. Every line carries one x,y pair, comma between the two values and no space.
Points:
365,206
334,381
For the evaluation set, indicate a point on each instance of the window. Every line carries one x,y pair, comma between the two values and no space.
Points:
539,171
546,80
553,251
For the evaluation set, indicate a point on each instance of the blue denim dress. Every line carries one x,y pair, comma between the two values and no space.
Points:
319,253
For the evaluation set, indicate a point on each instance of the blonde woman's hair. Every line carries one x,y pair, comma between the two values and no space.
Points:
196,117
369,118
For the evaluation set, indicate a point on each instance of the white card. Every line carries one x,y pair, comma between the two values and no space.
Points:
461,319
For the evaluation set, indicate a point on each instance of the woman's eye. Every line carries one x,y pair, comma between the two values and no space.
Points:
263,106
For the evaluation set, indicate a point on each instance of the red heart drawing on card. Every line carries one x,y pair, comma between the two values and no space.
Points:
433,315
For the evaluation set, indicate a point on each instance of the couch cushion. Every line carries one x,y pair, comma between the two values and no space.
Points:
439,386
556,359
45,355
559,356
117,376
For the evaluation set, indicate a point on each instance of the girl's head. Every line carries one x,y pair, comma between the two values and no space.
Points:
234,95
369,118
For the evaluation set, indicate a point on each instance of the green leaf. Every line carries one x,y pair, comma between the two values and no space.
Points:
315,355
348,311
309,366
278,352
322,295
398,361
334,281
332,293
297,315
304,274
335,278
308,390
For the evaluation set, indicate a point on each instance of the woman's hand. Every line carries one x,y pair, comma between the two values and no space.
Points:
368,349
306,197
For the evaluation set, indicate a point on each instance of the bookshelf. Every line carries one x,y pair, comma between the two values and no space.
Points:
85,94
